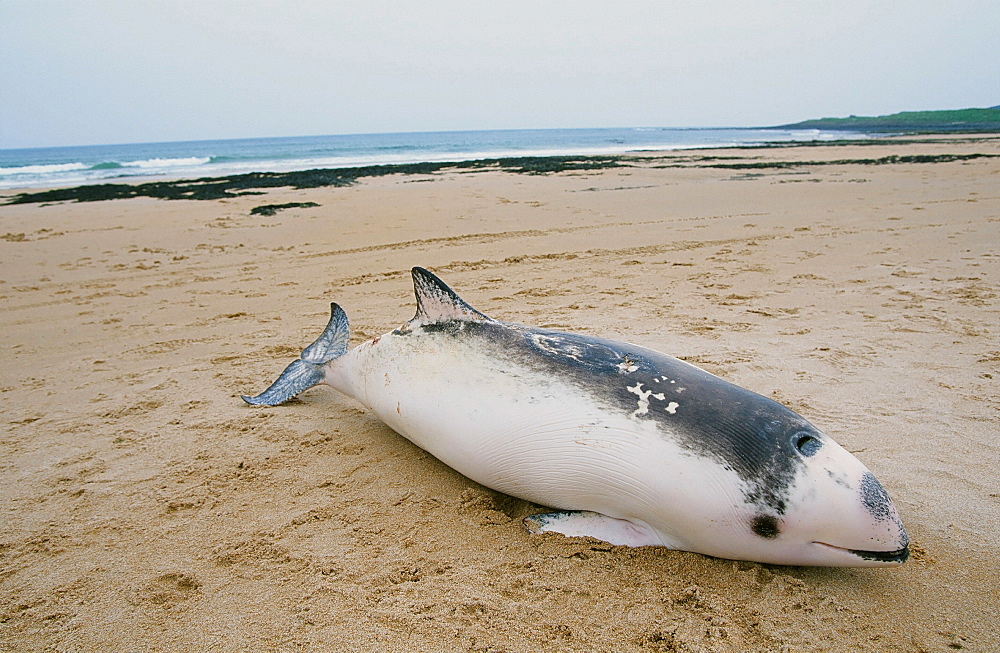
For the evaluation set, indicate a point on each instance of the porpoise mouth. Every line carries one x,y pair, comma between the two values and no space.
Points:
897,556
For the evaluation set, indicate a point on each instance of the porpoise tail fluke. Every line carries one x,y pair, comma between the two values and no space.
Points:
308,370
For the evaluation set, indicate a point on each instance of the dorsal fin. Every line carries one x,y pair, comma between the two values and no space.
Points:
436,302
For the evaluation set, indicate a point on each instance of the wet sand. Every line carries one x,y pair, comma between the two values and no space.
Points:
145,507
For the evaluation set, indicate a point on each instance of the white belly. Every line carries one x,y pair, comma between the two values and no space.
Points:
531,435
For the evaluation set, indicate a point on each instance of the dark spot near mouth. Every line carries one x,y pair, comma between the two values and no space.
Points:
765,526
874,497
878,504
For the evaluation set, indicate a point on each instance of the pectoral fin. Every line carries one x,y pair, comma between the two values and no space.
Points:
583,523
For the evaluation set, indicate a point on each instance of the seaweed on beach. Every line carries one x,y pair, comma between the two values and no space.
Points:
885,160
207,188
272,209
540,165
256,183
215,188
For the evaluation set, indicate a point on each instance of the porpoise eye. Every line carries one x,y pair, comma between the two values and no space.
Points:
806,444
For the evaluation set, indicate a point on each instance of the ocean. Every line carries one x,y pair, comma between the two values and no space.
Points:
73,166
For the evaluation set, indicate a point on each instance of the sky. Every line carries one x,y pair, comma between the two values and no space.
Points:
80,72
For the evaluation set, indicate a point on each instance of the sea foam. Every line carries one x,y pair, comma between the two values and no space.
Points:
168,163
41,169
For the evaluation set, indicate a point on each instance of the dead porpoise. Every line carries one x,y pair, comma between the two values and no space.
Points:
631,446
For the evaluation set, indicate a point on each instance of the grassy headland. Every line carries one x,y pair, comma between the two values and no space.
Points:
949,121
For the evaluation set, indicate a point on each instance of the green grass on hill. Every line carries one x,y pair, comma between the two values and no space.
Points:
957,120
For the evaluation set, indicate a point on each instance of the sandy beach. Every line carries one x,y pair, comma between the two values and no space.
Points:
145,507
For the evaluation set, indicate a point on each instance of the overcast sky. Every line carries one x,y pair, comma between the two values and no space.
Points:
88,72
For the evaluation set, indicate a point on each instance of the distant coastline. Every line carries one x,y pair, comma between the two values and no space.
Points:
922,122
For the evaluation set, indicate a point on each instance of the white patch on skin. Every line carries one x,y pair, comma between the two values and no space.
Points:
627,366
672,382
555,346
644,396
672,407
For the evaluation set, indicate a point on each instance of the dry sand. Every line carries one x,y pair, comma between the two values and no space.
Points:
145,507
